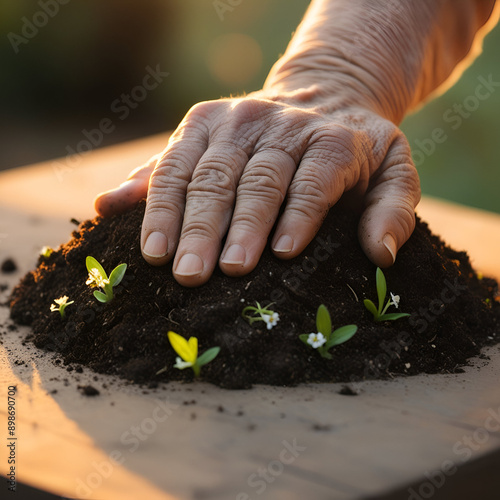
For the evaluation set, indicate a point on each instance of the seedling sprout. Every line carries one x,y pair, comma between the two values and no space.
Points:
323,339
99,278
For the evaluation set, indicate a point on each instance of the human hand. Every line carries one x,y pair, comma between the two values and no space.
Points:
231,163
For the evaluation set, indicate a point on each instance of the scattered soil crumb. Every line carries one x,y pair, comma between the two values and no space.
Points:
8,266
347,390
88,390
321,427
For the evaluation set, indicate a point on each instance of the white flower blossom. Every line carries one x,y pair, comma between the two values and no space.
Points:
316,340
395,300
46,251
96,279
271,319
182,364
61,301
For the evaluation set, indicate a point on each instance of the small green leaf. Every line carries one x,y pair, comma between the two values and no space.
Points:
117,274
341,335
391,316
208,356
92,263
101,297
323,321
381,288
371,307
304,337
164,369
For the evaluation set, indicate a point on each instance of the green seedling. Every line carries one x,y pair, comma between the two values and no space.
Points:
260,313
99,278
62,303
188,353
46,251
379,314
324,338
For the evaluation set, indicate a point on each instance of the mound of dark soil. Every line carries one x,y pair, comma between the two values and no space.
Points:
453,311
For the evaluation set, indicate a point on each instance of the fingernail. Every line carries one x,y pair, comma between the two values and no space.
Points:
390,243
235,254
156,245
284,244
189,265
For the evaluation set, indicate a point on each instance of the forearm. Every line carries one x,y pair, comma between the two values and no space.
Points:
390,55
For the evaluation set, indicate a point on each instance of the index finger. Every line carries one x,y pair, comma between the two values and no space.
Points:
167,193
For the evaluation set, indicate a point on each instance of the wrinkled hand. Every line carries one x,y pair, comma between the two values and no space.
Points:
231,163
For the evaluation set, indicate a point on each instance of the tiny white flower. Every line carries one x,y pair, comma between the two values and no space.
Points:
46,251
182,364
95,279
395,300
271,319
316,340
62,300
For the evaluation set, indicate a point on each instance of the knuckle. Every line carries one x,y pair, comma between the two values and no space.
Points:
245,121
320,182
404,177
405,220
409,174
307,210
252,222
198,229
339,145
173,165
158,207
249,109
169,180
266,183
288,132
210,179
309,196
205,109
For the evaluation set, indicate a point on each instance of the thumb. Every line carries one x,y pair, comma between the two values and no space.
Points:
128,193
389,217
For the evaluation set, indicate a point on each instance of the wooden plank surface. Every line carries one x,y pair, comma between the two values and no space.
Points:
200,442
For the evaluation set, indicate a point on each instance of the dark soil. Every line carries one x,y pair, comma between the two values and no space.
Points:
8,266
88,390
454,312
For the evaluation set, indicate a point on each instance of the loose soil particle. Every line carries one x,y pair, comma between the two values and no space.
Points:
88,390
8,266
453,312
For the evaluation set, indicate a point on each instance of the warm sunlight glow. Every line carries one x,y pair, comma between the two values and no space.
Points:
234,59
59,456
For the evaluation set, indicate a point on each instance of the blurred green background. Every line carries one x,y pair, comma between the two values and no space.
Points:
65,62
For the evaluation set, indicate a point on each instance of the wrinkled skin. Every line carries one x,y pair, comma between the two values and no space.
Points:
231,163
323,127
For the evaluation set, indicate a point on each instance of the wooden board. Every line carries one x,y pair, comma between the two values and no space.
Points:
200,442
